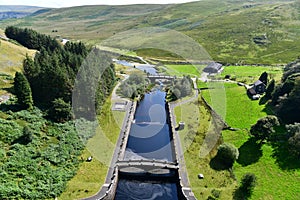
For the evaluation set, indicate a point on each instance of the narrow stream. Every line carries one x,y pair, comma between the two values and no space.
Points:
149,138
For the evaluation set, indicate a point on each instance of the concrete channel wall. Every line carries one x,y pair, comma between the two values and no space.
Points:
183,179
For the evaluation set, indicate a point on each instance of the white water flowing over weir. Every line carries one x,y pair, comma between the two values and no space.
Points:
164,180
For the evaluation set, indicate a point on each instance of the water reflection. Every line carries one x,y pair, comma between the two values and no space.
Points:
150,135
149,138
148,68
137,190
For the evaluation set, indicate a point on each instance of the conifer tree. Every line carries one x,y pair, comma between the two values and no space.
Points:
23,91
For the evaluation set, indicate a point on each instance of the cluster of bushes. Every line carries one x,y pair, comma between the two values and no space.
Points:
286,95
285,100
180,88
135,85
37,157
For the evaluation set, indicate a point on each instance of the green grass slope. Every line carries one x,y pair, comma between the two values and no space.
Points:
244,32
11,60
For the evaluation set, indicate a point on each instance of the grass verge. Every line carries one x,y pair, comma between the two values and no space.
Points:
193,138
91,175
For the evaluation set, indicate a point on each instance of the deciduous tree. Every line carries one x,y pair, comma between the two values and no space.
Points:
264,127
294,140
227,153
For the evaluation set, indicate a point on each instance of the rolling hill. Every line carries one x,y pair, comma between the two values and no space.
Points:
232,31
12,56
11,60
8,12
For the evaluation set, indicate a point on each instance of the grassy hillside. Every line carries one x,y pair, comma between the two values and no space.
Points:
13,8
12,57
232,31
11,60
7,12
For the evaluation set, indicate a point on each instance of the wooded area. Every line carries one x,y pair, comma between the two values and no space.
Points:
39,146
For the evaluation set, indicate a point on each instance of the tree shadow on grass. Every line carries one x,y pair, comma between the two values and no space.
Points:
238,194
250,152
284,159
218,164
9,107
263,100
269,109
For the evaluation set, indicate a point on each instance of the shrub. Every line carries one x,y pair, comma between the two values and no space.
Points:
294,140
227,153
60,111
264,127
9,131
216,193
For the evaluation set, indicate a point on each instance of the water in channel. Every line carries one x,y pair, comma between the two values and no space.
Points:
149,138
148,68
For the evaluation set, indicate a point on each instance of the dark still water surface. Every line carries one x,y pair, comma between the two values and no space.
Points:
149,136
137,190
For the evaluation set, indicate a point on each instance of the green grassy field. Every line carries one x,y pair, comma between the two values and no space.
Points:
180,70
235,102
274,180
226,29
249,74
91,175
192,140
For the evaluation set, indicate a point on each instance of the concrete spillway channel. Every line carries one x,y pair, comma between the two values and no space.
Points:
147,167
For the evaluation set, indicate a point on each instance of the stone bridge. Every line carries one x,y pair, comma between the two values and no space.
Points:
146,165
154,78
